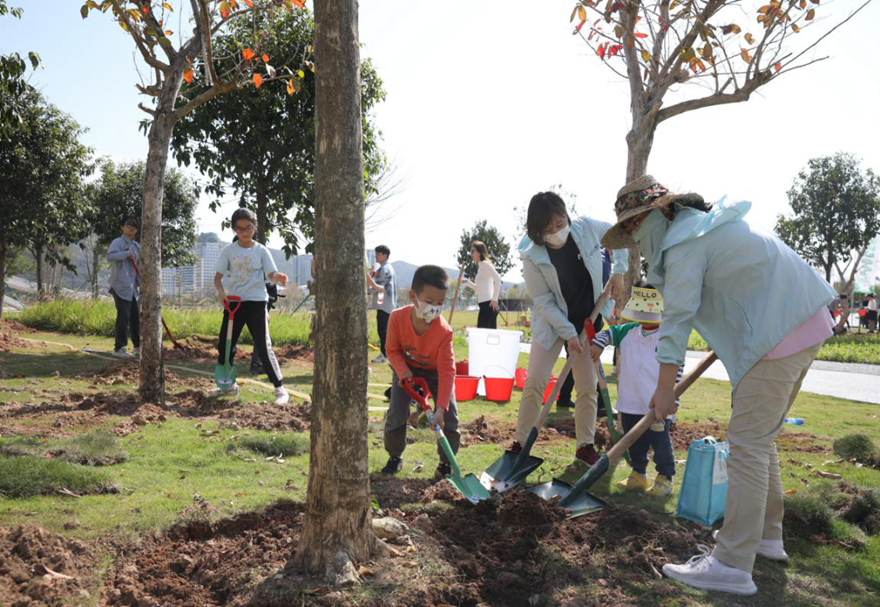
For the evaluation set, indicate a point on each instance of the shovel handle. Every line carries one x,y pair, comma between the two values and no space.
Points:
409,385
227,303
615,453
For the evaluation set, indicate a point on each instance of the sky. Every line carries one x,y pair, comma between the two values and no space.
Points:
489,102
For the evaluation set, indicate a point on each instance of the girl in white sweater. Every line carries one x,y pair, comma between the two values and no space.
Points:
487,285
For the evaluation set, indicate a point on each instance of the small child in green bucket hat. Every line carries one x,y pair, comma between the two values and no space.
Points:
639,369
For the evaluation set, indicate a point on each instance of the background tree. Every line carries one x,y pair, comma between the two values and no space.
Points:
699,53
499,250
119,193
267,160
42,166
192,60
835,215
12,71
337,532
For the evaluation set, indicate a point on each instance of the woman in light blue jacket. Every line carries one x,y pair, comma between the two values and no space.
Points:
762,309
562,267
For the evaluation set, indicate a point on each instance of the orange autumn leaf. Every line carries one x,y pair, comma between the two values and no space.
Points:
641,35
778,66
291,88
258,80
247,54
224,9
745,55
299,3
188,75
265,58
249,3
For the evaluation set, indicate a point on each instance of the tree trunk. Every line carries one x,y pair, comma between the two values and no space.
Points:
262,215
337,530
38,257
152,371
4,248
96,262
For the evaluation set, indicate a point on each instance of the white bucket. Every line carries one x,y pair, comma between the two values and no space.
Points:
492,352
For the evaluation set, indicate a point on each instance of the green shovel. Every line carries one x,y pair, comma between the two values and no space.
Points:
469,486
224,375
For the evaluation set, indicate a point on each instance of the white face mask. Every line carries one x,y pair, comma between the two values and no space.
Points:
559,238
426,311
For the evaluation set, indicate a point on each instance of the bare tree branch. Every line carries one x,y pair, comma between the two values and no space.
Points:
149,57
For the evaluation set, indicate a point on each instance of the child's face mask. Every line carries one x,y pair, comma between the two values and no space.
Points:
427,312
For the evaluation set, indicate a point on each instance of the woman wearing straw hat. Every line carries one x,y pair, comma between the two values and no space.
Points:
761,308
562,267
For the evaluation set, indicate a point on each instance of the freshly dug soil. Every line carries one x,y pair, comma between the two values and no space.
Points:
38,568
506,551
8,331
296,353
479,431
802,441
687,432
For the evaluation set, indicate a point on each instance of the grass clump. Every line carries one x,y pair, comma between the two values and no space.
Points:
864,510
285,445
28,476
858,447
93,449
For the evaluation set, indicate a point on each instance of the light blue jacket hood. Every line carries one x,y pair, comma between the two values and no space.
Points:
741,288
550,316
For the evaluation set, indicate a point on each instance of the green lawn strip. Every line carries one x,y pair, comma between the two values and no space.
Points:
850,348
276,445
92,449
26,476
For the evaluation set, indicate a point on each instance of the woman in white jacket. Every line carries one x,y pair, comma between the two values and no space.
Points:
487,286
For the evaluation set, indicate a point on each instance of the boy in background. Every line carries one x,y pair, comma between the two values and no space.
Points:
420,345
384,297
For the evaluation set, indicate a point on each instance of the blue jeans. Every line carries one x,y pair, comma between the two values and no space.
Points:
664,456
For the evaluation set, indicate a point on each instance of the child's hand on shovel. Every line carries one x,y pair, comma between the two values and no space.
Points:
595,352
663,403
439,418
405,378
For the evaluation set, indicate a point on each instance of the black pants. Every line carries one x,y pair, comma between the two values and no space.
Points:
664,457
127,314
487,318
253,314
382,327
398,415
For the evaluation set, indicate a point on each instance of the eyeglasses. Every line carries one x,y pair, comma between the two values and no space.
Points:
248,228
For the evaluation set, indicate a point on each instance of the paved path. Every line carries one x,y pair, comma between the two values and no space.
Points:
851,381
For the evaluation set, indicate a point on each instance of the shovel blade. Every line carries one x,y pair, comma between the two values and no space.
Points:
224,376
578,505
508,471
470,487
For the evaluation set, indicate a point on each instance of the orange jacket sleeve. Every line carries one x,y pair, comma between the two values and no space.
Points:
393,346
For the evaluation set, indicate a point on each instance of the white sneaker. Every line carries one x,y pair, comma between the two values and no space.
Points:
231,391
379,360
706,572
769,549
136,352
121,353
281,396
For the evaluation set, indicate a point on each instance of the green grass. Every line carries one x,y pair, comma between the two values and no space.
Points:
284,445
92,449
22,477
851,348
170,463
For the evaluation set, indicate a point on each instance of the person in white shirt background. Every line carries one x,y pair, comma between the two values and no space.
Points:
487,285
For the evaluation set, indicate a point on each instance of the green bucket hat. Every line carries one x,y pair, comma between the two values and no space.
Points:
641,196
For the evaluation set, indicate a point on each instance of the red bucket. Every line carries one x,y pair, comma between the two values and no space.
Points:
466,387
498,389
550,385
520,377
461,367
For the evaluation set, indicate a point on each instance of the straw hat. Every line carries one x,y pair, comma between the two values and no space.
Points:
645,305
641,196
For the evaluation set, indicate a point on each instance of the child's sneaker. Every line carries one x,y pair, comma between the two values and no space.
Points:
379,360
121,353
394,465
662,487
443,468
634,482
587,454
281,396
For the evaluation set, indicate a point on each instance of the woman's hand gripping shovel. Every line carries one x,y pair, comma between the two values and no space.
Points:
512,468
469,486
224,375
575,499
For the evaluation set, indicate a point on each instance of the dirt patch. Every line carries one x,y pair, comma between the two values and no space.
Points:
38,568
686,432
127,372
524,509
192,350
292,417
394,492
296,353
564,428
480,431
802,441
8,339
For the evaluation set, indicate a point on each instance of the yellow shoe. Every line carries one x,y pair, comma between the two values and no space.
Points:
634,482
662,487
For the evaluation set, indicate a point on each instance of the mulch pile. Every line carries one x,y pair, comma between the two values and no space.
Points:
8,331
38,569
198,350
479,431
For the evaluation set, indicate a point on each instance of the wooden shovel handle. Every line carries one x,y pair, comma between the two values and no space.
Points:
617,451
